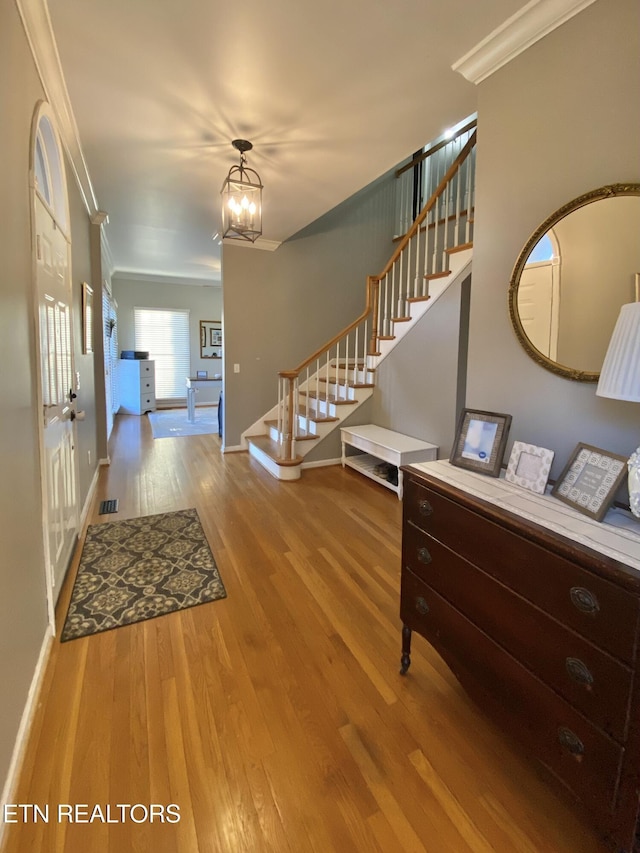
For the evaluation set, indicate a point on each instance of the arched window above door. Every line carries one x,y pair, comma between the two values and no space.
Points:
49,175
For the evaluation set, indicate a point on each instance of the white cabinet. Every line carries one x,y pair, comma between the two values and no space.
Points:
137,380
380,453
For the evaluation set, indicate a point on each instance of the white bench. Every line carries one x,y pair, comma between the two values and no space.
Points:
375,445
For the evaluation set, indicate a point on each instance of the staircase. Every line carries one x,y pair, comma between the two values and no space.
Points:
315,397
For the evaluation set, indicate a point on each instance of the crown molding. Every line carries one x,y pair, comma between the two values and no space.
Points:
261,243
160,278
531,23
39,33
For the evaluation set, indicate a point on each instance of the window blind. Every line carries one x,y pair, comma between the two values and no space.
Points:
165,335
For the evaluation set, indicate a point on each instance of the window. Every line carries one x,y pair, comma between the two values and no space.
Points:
165,335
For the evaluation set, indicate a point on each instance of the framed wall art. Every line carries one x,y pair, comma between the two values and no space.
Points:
590,480
210,339
480,441
529,466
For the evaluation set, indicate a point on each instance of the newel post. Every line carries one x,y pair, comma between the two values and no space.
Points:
288,414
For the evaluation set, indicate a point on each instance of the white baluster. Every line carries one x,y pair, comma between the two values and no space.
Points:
355,357
416,278
326,384
445,227
279,410
293,431
456,230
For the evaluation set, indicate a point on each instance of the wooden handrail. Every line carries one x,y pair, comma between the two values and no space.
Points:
438,147
430,204
289,374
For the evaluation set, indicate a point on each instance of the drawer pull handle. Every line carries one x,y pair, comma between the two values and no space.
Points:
570,741
425,508
584,601
422,606
579,671
424,556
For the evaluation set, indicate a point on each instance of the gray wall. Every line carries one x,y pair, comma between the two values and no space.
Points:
420,386
203,303
23,615
559,120
280,306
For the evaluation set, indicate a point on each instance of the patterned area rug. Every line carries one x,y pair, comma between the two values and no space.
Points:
140,568
174,422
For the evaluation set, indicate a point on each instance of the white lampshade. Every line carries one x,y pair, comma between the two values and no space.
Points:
620,374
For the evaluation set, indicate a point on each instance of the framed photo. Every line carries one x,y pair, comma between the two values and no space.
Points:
87,318
529,466
202,374
210,339
480,441
590,480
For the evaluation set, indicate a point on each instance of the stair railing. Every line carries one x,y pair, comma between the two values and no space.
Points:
445,223
325,377
328,375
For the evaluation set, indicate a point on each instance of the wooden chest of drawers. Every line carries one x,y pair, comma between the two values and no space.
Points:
541,631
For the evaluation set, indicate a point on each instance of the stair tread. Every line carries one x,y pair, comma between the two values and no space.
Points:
299,436
418,298
463,247
349,365
328,398
317,419
430,276
272,449
333,380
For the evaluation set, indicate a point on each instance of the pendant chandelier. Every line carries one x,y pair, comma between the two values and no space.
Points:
242,199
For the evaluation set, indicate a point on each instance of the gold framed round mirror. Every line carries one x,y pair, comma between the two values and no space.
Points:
571,278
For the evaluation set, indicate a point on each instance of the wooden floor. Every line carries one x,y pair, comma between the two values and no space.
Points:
275,719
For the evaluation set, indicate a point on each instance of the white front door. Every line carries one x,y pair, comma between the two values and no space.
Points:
538,305
60,493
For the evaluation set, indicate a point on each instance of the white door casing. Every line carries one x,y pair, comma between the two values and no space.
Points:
55,354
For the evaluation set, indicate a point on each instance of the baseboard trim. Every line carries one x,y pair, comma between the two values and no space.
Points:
24,728
234,448
105,461
321,463
89,499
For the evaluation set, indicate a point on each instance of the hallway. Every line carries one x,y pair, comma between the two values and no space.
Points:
275,719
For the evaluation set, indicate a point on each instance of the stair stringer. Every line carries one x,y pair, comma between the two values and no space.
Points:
460,266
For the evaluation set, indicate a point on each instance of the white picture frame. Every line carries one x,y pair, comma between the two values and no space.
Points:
529,466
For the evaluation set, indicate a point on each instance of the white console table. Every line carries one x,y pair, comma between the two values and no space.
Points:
383,445
193,383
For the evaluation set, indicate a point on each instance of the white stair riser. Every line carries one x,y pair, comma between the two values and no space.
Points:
281,472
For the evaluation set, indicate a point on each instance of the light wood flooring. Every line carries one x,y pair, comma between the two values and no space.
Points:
276,719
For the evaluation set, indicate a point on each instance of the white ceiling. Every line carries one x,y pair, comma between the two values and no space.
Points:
332,94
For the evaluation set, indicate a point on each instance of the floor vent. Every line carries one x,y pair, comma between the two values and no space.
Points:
108,506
